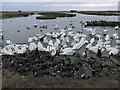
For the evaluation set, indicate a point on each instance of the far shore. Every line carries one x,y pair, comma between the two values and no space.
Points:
12,14
46,15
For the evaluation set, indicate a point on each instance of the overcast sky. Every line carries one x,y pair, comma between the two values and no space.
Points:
60,0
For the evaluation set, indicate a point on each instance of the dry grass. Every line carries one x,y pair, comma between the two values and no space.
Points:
14,80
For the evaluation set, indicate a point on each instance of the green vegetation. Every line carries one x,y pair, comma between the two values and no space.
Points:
46,15
54,15
102,23
104,13
4,15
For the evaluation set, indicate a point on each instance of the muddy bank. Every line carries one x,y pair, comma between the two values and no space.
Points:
39,64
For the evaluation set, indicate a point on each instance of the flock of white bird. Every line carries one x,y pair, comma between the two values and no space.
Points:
66,42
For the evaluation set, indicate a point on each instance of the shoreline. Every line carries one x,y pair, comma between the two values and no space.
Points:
11,14
54,14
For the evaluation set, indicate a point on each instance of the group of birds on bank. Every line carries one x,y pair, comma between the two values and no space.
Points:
66,42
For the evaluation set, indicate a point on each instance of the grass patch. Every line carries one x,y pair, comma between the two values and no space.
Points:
104,13
103,23
4,15
46,17
54,15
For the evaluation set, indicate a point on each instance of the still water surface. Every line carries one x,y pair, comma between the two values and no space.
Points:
13,25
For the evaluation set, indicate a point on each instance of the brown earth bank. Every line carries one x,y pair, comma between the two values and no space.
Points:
41,70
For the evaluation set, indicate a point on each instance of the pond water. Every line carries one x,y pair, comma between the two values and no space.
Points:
11,26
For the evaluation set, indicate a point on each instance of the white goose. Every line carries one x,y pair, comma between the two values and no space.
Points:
116,27
76,38
40,47
69,29
45,40
118,41
71,34
8,42
115,35
51,49
54,35
50,42
35,25
63,41
67,39
107,37
88,29
95,48
8,50
67,51
19,49
92,40
93,32
35,38
32,46
53,52
114,51
55,26
80,44
90,44
49,34
30,40
56,44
